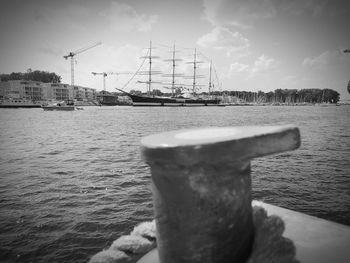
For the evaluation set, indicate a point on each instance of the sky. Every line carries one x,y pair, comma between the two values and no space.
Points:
254,45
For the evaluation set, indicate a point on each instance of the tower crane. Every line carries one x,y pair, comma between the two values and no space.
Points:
105,74
72,54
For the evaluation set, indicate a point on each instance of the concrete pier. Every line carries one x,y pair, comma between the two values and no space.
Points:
316,240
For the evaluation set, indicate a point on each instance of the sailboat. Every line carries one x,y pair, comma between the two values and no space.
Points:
174,99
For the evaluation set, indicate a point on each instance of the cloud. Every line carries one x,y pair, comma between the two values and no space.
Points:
239,13
123,17
264,63
291,82
238,68
327,58
51,50
222,38
314,8
245,14
298,7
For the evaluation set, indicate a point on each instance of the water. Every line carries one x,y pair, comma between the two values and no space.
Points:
72,182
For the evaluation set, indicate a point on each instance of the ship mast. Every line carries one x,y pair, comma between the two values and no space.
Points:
194,71
173,75
195,75
150,69
210,84
150,72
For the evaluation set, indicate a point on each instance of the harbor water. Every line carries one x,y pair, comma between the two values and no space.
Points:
72,182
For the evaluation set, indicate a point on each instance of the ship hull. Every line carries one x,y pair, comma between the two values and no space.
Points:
171,102
58,108
110,100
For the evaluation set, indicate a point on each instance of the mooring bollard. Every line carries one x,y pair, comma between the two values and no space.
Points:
202,189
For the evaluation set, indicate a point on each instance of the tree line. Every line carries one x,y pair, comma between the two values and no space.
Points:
287,96
36,75
278,96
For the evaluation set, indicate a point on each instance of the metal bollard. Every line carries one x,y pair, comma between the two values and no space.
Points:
201,187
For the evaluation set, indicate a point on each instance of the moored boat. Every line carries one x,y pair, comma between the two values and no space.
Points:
59,106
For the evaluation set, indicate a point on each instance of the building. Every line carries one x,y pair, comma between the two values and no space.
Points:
58,91
22,89
39,91
84,94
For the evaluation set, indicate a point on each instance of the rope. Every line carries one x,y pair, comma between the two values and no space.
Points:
269,245
127,83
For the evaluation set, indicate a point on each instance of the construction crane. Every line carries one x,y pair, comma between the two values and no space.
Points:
105,74
72,54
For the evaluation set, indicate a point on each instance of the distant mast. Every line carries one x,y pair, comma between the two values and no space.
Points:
210,84
150,69
195,75
194,71
149,72
173,74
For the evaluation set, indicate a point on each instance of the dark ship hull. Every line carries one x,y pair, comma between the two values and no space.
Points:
110,100
170,101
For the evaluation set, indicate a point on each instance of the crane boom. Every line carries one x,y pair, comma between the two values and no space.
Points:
105,74
72,54
86,48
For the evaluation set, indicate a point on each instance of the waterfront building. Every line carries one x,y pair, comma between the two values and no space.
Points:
22,89
84,94
40,91
58,91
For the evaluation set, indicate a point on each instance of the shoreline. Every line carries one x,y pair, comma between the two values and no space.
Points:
287,104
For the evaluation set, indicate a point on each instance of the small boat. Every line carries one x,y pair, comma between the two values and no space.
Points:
59,106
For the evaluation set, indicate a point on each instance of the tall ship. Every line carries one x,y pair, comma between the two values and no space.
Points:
178,95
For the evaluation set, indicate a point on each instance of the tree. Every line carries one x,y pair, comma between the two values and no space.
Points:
330,96
287,96
178,91
136,92
156,92
37,75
